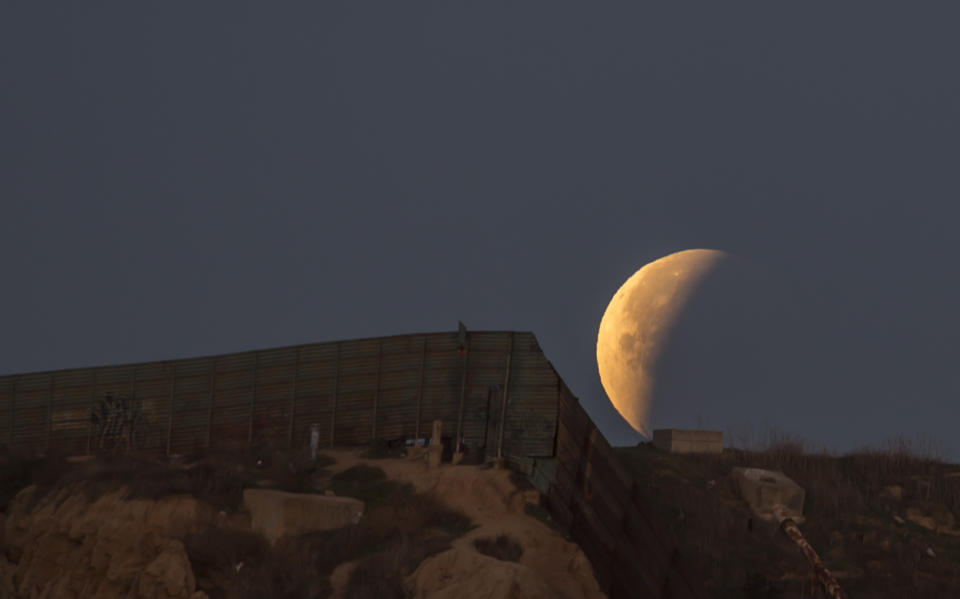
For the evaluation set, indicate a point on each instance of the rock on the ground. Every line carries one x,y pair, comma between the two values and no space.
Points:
169,574
276,514
932,516
894,492
463,574
71,547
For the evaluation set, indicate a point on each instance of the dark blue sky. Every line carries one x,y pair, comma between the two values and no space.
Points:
192,178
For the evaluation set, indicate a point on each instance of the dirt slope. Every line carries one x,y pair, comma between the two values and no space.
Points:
100,543
73,546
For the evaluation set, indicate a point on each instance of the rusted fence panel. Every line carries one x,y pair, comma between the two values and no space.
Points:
591,494
28,417
8,389
70,411
389,387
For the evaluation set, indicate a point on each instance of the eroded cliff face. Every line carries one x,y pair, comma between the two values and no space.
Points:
71,545
74,543
549,566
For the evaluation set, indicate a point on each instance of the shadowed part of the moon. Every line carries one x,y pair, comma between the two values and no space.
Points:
731,348
636,324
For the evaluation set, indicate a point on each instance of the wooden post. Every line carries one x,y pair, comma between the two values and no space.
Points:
463,391
293,397
376,394
503,401
336,390
423,368
173,397
253,396
93,405
213,392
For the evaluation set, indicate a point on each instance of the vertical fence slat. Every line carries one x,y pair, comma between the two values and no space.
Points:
336,392
53,389
423,369
13,412
463,391
503,400
253,396
293,397
376,393
93,406
213,391
173,398
130,440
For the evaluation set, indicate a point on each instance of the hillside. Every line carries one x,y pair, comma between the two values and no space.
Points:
137,527
126,526
882,521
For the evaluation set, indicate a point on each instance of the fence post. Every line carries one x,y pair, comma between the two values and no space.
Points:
376,394
336,390
253,396
423,367
503,401
173,397
293,397
213,391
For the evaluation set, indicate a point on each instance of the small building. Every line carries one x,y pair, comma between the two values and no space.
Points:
676,440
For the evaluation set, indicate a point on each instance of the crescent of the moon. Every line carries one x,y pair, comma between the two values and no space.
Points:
636,324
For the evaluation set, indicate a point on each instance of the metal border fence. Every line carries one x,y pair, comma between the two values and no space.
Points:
490,388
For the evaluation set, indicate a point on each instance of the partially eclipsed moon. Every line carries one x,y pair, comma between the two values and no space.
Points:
637,323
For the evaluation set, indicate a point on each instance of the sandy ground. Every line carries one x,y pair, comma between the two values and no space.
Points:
111,546
549,567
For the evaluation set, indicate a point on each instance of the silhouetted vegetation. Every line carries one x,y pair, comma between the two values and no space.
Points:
502,548
381,449
399,529
849,516
213,477
381,575
367,483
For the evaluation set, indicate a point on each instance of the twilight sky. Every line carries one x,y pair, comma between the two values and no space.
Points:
190,178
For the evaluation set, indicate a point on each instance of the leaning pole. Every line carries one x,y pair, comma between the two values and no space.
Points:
790,528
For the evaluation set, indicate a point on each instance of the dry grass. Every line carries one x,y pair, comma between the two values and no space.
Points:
381,575
502,548
837,485
216,477
400,529
742,557
367,483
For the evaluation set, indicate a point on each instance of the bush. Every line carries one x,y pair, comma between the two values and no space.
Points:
502,548
381,575
233,563
707,516
366,483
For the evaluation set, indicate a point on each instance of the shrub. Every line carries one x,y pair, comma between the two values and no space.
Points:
381,575
502,548
366,483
